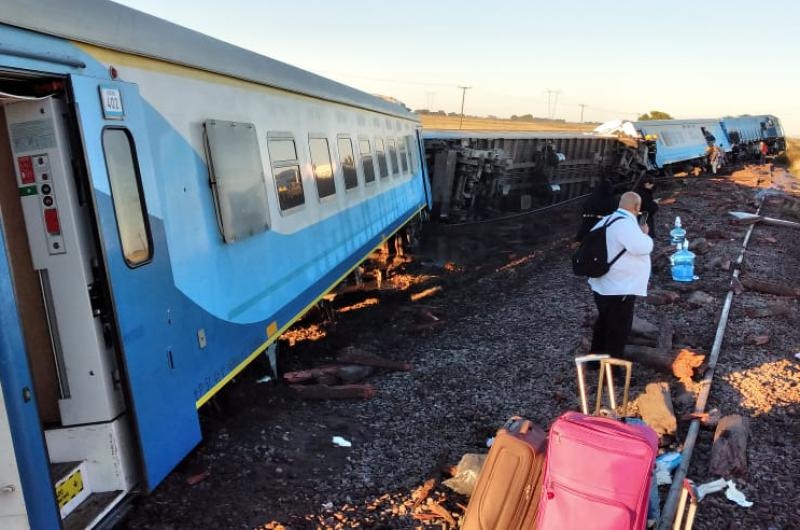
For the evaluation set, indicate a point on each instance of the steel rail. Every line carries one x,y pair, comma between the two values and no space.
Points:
670,505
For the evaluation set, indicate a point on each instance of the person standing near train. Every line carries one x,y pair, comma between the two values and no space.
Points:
615,292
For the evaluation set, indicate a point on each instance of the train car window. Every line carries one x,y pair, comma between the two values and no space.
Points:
392,148
366,161
380,152
127,195
347,160
321,166
401,145
286,172
412,153
237,179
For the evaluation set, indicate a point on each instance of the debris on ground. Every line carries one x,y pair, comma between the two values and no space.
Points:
466,474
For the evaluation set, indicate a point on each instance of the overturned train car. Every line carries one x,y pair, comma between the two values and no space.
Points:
476,175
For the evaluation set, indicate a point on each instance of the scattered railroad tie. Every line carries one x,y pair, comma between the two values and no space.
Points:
329,374
662,297
769,287
771,310
700,299
729,449
352,355
663,357
758,340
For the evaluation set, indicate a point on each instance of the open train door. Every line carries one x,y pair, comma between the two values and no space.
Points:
124,189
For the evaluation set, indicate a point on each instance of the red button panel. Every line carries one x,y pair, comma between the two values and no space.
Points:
51,221
26,173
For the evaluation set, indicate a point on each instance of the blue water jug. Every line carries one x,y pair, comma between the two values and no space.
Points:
678,234
683,264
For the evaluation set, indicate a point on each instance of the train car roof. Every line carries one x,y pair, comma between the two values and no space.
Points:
675,122
435,134
114,26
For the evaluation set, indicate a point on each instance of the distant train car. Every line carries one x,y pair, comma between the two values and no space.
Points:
169,204
674,144
682,141
745,132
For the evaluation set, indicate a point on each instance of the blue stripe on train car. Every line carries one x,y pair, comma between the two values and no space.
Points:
195,281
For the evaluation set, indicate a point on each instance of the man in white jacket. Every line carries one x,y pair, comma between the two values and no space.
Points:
615,292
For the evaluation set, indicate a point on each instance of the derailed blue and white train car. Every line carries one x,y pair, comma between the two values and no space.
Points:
170,204
676,143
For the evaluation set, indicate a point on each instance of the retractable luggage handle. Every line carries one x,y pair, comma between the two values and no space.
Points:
606,376
688,491
579,365
607,372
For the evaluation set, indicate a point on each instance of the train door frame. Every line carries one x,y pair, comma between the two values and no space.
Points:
153,342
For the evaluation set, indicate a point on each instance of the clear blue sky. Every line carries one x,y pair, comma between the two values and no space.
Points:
699,58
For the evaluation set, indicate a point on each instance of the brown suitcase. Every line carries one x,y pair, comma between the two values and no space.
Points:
506,496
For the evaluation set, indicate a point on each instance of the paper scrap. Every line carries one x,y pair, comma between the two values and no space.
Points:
338,441
737,496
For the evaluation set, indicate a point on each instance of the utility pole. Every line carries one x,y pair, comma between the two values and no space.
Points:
549,105
582,106
463,95
555,103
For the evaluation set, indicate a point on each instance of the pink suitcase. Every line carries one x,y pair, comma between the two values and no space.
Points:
597,474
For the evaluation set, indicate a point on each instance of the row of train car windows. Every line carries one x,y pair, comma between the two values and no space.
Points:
237,178
286,166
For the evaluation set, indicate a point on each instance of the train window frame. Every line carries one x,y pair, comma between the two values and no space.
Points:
391,150
402,154
412,155
347,137
372,162
330,196
380,154
279,164
230,212
140,192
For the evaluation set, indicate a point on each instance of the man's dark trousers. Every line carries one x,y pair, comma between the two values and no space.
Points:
613,323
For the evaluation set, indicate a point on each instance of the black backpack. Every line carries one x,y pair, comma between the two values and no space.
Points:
591,258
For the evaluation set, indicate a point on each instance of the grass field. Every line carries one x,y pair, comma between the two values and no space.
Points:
430,121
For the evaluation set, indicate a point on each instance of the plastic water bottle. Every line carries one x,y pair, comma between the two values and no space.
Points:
678,234
683,263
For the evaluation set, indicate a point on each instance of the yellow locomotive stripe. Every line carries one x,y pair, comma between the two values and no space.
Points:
69,488
272,337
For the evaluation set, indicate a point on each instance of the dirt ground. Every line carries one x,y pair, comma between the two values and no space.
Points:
491,318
